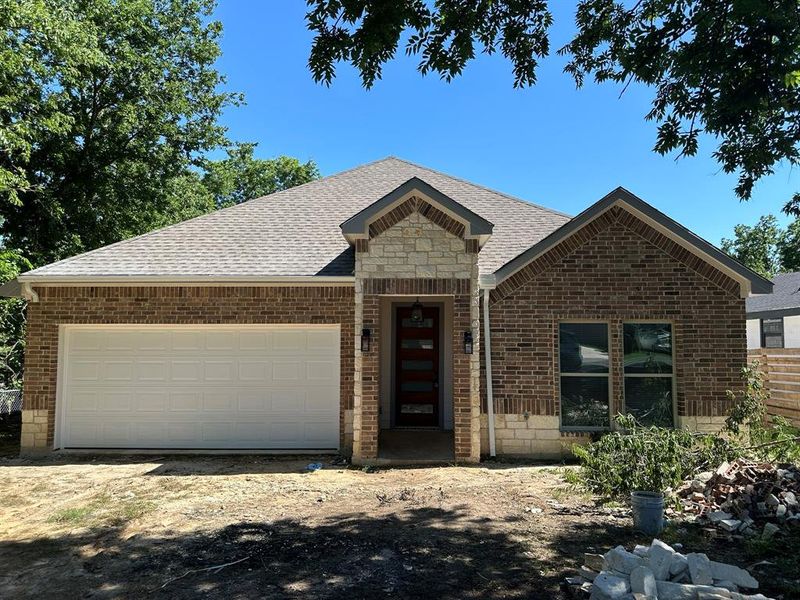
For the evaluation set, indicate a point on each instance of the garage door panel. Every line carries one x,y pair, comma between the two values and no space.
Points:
84,341
195,387
84,370
286,370
288,341
184,341
219,400
181,401
118,370
218,371
221,340
187,370
251,370
114,401
152,370
149,401
153,340
320,342
254,341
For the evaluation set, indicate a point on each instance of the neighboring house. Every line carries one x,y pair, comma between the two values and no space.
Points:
347,311
773,320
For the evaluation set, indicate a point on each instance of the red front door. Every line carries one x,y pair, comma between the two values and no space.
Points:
417,368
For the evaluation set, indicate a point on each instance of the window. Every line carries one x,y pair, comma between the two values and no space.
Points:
772,333
583,362
648,373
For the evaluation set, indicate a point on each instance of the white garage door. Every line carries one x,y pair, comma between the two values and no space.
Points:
245,387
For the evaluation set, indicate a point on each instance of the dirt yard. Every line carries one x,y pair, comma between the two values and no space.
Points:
131,527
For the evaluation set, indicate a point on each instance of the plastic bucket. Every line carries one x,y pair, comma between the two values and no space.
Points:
648,512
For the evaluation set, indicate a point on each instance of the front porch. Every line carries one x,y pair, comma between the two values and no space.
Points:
415,446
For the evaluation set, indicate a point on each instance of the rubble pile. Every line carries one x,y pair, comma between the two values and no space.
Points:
745,497
659,572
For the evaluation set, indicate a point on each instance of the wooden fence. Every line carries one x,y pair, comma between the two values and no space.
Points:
782,369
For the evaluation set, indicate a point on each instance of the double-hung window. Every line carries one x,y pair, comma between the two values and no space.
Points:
772,333
584,375
648,372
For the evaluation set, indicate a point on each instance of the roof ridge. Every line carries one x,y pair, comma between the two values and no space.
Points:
482,187
218,211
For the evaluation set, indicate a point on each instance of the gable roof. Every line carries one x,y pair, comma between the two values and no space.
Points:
357,226
296,232
620,196
783,301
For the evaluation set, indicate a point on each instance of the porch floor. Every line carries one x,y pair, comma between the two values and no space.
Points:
415,446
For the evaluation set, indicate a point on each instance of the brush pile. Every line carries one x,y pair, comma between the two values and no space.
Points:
745,498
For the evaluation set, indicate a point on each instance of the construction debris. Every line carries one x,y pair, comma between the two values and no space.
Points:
659,572
745,498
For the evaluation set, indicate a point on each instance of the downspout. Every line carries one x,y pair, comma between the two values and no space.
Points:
487,347
28,292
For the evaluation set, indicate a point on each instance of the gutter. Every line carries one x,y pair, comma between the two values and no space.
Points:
487,347
197,280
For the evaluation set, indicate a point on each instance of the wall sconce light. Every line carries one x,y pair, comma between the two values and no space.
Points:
416,313
467,342
365,335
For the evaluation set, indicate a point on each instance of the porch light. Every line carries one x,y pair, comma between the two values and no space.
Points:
416,313
365,335
467,342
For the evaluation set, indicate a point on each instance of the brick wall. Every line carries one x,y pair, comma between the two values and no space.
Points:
617,268
175,305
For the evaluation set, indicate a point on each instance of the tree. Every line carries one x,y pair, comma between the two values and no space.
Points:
12,322
730,69
241,176
103,104
765,247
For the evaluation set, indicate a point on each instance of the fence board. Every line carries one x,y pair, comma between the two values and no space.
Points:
781,367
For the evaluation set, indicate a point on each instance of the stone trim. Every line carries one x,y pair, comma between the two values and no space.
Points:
415,204
34,430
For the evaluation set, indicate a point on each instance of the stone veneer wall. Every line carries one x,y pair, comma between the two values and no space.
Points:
168,305
411,254
615,269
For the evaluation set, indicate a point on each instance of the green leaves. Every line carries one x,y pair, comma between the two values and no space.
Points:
727,69
102,104
241,177
446,34
765,247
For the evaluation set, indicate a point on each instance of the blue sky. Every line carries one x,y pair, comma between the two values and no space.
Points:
550,144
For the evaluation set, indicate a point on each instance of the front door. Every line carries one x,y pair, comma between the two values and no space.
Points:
417,368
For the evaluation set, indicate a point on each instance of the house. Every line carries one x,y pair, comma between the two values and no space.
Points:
773,321
386,309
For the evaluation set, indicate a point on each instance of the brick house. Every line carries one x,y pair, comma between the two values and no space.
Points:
389,312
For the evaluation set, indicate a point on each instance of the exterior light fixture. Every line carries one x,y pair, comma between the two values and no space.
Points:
365,336
468,342
416,313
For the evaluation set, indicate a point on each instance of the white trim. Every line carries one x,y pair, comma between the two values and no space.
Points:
60,384
487,349
183,280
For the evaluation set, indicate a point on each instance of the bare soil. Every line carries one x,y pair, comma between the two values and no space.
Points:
134,527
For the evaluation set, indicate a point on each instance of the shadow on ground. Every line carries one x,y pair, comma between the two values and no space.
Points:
419,553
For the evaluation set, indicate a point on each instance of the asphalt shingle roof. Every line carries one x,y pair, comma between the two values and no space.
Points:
785,295
296,232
